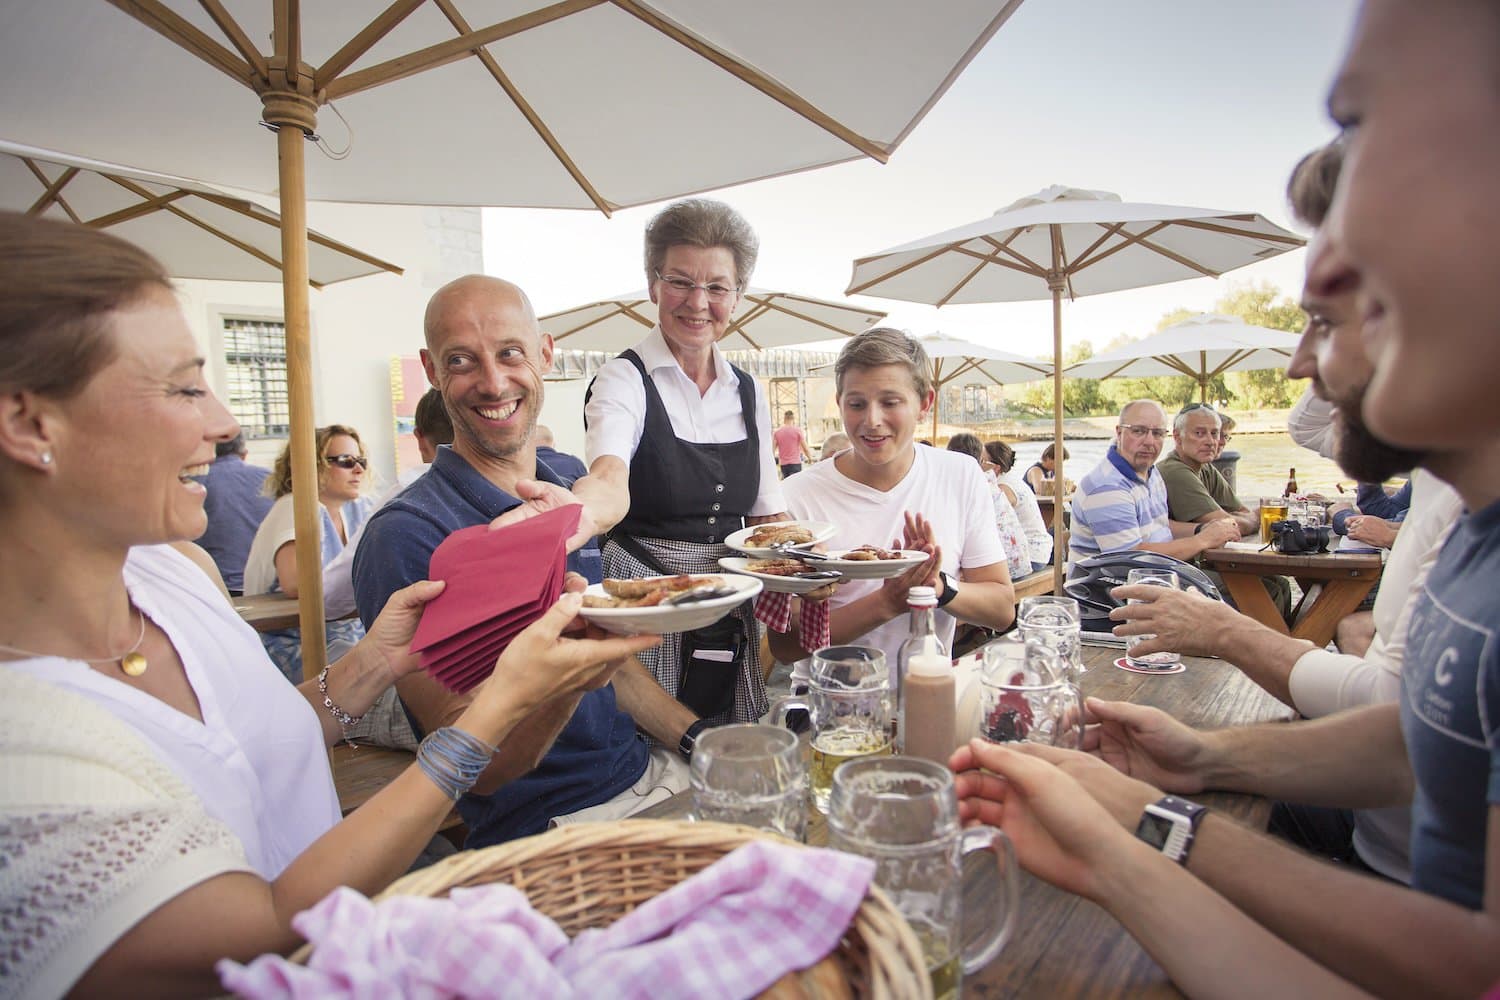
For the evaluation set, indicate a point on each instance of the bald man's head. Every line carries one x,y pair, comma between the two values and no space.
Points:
486,355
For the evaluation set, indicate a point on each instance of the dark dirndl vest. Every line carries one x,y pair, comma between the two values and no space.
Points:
690,492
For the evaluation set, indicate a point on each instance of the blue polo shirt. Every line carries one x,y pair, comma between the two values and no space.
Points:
235,506
597,754
1114,508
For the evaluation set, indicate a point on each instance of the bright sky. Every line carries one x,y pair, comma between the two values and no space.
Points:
1206,103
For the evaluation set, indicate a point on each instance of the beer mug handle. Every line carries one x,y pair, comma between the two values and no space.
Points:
784,706
988,838
1074,717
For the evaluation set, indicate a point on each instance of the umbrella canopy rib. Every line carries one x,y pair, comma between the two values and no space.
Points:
774,305
51,190
527,111
775,91
364,40
237,37
180,32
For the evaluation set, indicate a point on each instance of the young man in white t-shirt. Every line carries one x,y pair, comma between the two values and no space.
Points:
885,490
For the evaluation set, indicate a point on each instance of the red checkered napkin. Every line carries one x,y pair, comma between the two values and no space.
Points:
775,612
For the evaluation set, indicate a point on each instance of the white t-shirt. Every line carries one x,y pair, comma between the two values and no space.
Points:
945,487
279,527
616,412
257,761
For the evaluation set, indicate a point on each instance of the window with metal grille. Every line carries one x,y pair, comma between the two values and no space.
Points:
255,376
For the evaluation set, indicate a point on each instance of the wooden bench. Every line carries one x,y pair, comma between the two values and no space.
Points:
360,772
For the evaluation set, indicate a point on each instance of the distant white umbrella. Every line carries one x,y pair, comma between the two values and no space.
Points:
1068,241
1200,347
195,230
764,319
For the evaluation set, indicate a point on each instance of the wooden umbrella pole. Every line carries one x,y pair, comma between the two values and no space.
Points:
1056,281
295,117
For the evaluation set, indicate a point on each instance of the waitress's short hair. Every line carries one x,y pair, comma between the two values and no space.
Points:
701,222
884,346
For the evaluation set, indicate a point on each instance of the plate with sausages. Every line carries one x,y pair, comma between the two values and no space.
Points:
783,576
662,605
870,562
756,540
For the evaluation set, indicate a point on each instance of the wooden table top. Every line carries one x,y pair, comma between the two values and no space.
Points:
1318,566
1062,945
267,612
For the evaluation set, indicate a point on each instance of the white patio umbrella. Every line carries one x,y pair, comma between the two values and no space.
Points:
954,359
1069,241
470,102
195,230
764,319
1199,347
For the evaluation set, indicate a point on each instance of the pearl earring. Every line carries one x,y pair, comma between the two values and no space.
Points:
46,458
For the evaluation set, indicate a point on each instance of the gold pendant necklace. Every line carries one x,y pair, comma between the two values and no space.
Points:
132,662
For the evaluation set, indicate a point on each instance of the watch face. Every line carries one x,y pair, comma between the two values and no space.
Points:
1154,830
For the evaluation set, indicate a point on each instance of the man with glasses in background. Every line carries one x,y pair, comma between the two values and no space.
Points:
1122,502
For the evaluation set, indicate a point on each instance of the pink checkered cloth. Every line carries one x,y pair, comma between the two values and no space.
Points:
775,612
730,931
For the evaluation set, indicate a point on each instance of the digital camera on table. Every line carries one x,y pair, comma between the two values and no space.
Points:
1293,538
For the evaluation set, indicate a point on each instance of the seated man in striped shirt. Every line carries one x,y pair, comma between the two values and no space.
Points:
1122,502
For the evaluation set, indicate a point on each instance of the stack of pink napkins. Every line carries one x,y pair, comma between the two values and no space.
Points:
499,581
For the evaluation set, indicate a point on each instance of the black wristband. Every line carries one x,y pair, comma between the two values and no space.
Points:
949,591
1201,526
689,739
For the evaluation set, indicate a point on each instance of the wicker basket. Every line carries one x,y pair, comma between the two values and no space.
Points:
592,874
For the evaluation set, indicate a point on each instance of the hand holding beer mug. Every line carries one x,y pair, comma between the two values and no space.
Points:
849,702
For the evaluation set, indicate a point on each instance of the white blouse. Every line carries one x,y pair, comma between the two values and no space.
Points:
257,761
616,412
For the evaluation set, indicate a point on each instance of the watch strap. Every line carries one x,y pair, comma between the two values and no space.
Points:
949,590
689,741
1170,824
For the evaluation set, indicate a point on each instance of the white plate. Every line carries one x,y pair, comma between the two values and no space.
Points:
672,618
775,584
821,531
872,569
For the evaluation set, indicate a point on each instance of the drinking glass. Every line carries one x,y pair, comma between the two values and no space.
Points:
1023,700
849,703
1272,509
1296,510
751,774
1051,629
1151,661
902,813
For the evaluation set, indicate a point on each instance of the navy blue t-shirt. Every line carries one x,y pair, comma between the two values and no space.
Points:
1450,711
598,753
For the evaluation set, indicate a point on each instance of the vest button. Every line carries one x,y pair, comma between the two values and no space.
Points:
716,506
713,520
719,488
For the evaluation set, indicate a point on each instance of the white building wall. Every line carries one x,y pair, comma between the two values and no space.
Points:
357,325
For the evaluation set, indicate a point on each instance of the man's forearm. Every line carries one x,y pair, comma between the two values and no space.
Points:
1353,760
987,603
1391,940
656,713
1262,654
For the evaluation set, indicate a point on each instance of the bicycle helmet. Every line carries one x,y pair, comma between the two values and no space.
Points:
1090,581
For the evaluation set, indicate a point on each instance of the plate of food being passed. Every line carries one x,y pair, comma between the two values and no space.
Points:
783,576
871,562
756,541
661,605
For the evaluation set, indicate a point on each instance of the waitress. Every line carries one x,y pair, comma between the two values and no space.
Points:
691,434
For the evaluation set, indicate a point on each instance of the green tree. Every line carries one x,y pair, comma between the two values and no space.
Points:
1259,303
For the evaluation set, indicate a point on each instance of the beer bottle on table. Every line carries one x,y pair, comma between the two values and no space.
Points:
1291,484
926,704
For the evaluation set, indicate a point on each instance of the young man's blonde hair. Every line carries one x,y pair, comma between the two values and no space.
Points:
885,346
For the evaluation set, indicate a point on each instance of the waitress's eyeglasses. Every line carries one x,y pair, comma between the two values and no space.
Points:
349,461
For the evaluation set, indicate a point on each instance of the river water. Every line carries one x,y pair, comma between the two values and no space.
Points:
1265,460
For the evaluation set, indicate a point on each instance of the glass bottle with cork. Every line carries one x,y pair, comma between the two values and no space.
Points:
926,704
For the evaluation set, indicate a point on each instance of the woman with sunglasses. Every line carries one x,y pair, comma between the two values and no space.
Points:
165,796
271,567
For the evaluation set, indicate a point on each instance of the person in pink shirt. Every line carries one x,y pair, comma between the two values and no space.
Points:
791,445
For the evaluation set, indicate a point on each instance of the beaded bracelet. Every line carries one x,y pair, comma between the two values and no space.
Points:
343,718
453,759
